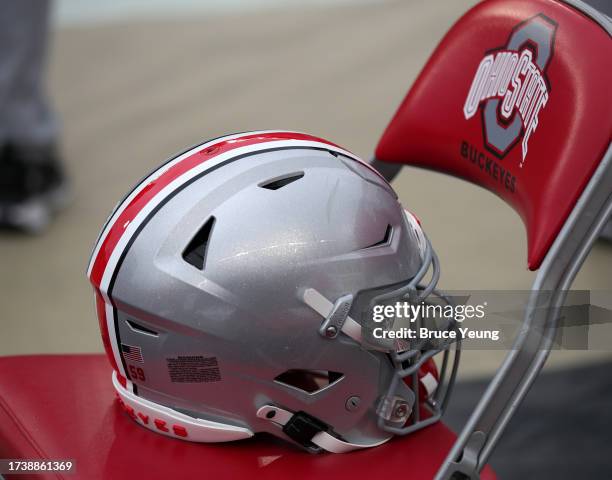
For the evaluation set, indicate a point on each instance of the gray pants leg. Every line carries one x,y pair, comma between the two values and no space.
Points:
25,115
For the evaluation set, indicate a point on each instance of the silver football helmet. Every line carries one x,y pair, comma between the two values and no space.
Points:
235,287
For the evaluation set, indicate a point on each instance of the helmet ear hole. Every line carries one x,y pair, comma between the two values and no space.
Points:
309,381
195,253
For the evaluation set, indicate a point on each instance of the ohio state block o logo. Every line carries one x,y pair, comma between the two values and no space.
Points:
511,88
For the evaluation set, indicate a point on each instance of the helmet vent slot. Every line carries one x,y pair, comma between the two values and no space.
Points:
280,182
140,329
308,381
195,253
386,240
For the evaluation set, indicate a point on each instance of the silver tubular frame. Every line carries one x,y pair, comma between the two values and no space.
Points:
600,18
534,341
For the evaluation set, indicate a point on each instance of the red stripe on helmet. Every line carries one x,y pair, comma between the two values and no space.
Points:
101,310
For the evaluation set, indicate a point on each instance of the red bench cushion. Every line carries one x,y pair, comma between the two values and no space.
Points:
64,407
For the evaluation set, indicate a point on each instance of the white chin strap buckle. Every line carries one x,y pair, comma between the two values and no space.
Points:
308,431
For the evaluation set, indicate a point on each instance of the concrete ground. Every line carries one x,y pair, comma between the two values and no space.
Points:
561,431
132,93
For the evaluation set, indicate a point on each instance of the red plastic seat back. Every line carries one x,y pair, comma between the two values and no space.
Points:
516,98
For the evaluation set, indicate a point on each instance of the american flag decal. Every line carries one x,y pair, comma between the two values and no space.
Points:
132,353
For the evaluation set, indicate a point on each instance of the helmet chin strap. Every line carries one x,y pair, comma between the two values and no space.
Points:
299,426
309,432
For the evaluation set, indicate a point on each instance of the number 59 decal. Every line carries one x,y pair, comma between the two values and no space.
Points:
137,373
